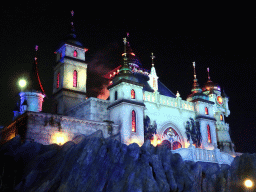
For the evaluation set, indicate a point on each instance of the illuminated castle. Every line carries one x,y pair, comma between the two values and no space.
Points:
139,107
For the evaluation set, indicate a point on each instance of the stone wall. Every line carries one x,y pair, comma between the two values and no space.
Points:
92,109
44,127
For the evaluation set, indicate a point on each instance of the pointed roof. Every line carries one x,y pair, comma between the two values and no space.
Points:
153,70
71,38
35,82
132,58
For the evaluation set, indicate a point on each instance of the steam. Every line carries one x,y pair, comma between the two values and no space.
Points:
101,63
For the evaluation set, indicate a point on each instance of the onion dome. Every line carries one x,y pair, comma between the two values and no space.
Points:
125,71
210,86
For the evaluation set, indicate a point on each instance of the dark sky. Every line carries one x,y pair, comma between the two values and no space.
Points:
218,36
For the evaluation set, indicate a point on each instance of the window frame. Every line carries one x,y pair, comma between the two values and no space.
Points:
134,121
75,54
58,80
206,111
75,75
209,135
133,95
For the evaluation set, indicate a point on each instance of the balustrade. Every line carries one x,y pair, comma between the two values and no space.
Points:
168,101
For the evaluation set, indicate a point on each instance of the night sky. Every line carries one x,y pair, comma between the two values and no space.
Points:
221,37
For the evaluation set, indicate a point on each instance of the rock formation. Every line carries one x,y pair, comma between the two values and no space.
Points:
93,163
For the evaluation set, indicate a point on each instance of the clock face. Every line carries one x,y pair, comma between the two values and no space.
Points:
220,100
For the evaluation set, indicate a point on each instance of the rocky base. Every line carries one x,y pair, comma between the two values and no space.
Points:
92,163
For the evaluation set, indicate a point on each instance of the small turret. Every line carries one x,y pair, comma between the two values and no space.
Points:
31,99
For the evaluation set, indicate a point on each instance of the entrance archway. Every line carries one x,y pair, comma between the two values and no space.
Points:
171,139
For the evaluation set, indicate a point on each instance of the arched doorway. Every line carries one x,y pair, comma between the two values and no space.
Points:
171,139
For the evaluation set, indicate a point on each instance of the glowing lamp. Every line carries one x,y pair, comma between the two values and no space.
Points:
156,140
22,83
59,138
248,183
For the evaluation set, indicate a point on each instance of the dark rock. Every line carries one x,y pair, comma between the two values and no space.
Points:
92,163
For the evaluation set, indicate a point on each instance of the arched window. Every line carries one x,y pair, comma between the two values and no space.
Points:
58,80
75,53
133,121
75,78
221,117
132,94
209,134
115,95
206,111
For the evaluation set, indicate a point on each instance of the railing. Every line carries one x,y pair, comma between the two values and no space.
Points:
204,155
168,101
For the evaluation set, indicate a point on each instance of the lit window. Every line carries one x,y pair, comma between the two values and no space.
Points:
75,78
133,121
75,53
58,81
206,111
221,117
132,94
116,95
209,134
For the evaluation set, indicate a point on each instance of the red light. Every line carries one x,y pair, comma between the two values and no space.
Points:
133,121
209,134
58,80
75,79
75,53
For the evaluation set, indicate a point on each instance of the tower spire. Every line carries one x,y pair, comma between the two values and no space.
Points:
125,68
196,88
152,57
209,78
72,23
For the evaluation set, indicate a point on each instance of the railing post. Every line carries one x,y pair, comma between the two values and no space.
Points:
218,156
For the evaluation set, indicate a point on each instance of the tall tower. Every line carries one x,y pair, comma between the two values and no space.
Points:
31,99
126,104
70,73
204,114
221,110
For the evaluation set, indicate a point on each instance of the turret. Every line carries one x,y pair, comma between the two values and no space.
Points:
221,110
126,103
204,114
70,73
32,97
